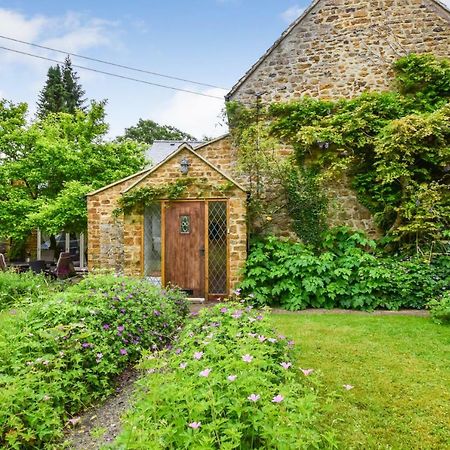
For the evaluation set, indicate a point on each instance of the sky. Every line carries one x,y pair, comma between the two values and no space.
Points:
210,41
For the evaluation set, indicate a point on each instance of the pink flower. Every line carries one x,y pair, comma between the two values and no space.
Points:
278,399
261,338
237,314
281,336
291,343
195,425
120,328
183,365
253,397
232,377
285,365
307,372
198,355
247,358
347,387
205,373
123,351
223,310
252,334
74,420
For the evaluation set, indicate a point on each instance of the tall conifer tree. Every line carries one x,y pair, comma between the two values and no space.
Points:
62,91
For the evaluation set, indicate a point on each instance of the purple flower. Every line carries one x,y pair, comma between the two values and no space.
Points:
122,310
223,310
291,343
85,345
249,308
260,317
307,372
215,324
347,387
285,365
231,377
195,425
205,373
194,313
156,312
123,351
106,326
183,365
178,351
198,355
261,338
281,336
247,358
278,399
237,314
254,397
120,328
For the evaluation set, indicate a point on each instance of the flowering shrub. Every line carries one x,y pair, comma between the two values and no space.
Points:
16,287
228,383
344,275
61,354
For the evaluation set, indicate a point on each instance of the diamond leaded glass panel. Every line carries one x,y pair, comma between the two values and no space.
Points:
217,247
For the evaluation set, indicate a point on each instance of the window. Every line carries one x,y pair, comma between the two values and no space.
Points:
185,224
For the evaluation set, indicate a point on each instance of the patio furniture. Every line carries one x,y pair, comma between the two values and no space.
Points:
64,266
2,262
38,266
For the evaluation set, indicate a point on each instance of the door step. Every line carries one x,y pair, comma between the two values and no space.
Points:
196,300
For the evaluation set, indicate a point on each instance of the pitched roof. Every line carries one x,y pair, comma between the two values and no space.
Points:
175,150
288,31
161,149
184,146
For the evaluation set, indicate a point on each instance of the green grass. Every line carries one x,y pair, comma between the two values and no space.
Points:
399,367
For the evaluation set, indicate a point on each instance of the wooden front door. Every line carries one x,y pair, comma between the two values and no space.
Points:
185,246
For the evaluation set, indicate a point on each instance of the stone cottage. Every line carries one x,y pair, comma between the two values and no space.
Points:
198,240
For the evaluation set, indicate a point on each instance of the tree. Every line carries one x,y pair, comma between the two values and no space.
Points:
47,168
148,131
72,88
62,91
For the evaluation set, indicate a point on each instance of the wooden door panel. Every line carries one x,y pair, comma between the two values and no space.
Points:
185,244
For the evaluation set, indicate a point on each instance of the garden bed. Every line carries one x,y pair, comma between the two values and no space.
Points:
61,353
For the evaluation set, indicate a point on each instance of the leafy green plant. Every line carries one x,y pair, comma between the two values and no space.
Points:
345,274
440,309
228,383
16,288
62,353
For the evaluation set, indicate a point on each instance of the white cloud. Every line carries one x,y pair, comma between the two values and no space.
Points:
291,13
194,114
72,32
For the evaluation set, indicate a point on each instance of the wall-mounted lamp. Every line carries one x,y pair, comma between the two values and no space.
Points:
184,166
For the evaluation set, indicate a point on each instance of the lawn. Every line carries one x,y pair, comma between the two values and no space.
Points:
399,367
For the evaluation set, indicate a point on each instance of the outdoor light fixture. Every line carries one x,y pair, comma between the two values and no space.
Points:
323,145
184,166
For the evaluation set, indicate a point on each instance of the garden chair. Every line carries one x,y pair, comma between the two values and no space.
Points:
2,262
38,266
64,267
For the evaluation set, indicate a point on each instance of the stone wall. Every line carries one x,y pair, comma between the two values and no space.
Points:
105,231
344,47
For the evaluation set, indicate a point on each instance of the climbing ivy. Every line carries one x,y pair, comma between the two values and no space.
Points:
145,196
394,147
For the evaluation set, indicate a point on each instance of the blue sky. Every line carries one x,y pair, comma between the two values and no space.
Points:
213,41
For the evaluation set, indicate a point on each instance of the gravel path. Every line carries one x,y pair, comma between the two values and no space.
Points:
100,424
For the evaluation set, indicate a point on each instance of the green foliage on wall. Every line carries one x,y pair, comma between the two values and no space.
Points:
394,147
